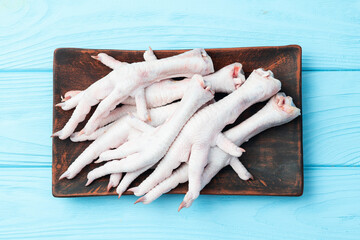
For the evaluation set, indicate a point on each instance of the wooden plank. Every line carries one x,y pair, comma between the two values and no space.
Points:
277,171
327,31
331,112
328,209
25,119
330,120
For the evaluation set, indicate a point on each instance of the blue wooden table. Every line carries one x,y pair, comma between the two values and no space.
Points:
329,33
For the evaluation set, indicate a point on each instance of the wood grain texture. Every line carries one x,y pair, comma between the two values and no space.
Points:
25,119
328,31
331,104
327,210
31,30
278,170
331,113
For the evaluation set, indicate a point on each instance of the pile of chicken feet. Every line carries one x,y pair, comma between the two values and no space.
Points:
183,140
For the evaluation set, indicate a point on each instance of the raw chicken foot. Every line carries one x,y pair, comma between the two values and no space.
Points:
278,111
152,145
130,80
194,142
113,136
232,76
167,91
226,80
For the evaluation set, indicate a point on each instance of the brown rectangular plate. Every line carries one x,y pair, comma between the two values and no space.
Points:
274,157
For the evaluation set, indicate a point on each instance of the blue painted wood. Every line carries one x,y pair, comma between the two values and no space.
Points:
331,113
327,30
30,30
25,119
327,210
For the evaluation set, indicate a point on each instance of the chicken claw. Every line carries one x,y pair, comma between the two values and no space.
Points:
113,136
193,143
271,115
151,146
129,80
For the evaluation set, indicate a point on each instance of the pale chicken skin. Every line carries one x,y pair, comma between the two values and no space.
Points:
279,110
194,142
153,144
130,80
113,136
